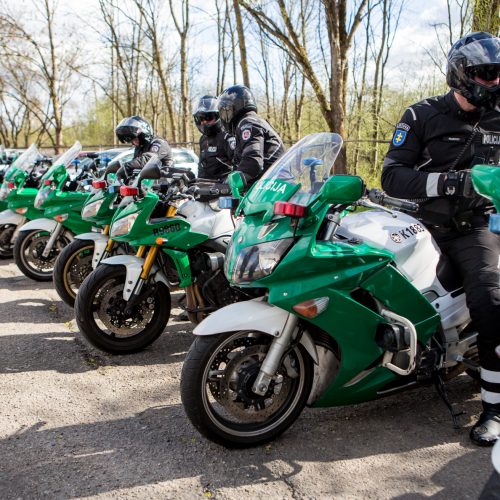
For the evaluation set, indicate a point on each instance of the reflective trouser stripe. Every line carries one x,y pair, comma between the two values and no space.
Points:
490,376
490,386
490,397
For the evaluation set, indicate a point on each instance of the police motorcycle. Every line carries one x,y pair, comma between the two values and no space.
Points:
61,197
181,236
357,305
77,260
20,182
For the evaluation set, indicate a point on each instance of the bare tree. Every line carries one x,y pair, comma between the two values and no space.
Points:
340,34
241,43
182,28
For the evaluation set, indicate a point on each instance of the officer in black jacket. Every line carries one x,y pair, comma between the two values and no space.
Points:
258,145
433,148
216,145
137,131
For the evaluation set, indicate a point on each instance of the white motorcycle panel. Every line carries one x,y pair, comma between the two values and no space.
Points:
43,224
11,217
207,220
415,253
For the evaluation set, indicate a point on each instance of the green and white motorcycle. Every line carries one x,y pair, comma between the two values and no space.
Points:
356,307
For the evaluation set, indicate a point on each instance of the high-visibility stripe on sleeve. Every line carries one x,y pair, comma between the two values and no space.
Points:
431,187
490,397
490,376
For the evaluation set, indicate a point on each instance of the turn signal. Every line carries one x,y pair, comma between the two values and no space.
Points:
129,191
11,185
290,209
99,184
22,210
47,182
61,217
311,308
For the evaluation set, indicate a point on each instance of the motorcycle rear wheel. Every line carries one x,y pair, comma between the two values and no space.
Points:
101,317
6,246
72,266
216,382
28,250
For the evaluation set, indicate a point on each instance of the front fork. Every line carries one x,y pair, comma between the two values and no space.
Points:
53,238
17,230
271,362
136,297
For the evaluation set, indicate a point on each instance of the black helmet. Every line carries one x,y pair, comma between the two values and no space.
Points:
477,54
206,109
233,102
134,127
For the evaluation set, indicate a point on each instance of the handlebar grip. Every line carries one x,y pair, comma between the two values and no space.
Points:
409,206
378,196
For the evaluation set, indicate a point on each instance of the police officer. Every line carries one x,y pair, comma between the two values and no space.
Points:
258,145
434,146
137,131
216,145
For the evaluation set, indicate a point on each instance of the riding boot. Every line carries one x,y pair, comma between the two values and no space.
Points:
487,429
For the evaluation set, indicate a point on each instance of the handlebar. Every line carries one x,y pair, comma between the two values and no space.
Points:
380,198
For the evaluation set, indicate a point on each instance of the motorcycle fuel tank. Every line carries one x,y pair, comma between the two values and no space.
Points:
207,219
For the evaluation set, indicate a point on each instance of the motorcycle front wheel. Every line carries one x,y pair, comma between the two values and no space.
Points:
28,250
72,266
216,388
6,245
102,316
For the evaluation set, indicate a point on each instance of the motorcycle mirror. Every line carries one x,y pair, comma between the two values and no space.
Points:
340,189
237,184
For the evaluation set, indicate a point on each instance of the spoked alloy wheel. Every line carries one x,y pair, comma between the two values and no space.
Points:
28,250
6,245
103,319
72,266
216,388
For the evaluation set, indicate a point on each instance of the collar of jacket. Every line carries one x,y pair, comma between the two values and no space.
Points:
455,109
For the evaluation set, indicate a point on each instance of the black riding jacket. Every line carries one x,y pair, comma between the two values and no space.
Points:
143,153
433,137
258,146
216,155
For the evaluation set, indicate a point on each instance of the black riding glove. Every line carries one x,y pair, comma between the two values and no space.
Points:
456,183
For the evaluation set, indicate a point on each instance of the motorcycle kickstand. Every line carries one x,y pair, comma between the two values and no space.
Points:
441,390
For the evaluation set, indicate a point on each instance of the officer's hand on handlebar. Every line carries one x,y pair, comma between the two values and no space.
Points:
456,183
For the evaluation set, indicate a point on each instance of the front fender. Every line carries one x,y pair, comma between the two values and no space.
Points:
100,241
43,224
133,266
10,217
255,315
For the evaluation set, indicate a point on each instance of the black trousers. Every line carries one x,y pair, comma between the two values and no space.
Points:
475,254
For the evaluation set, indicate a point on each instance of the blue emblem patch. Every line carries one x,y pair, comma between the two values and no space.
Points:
399,137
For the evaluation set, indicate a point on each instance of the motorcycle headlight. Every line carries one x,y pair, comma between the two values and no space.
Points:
91,209
41,196
4,191
258,261
123,226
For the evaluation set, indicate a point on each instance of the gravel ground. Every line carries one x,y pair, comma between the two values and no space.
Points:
76,423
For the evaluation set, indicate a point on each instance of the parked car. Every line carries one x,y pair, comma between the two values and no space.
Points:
186,158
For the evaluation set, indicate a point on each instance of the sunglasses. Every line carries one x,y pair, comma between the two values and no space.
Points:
487,73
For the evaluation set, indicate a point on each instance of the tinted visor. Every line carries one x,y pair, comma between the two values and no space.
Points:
488,73
206,117
126,133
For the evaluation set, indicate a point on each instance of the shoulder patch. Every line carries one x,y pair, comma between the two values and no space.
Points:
399,136
403,126
154,148
232,142
246,134
245,126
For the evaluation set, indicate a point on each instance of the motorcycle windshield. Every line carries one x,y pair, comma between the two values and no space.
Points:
67,157
298,175
27,158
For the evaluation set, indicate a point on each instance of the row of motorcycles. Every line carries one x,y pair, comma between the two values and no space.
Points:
306,289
